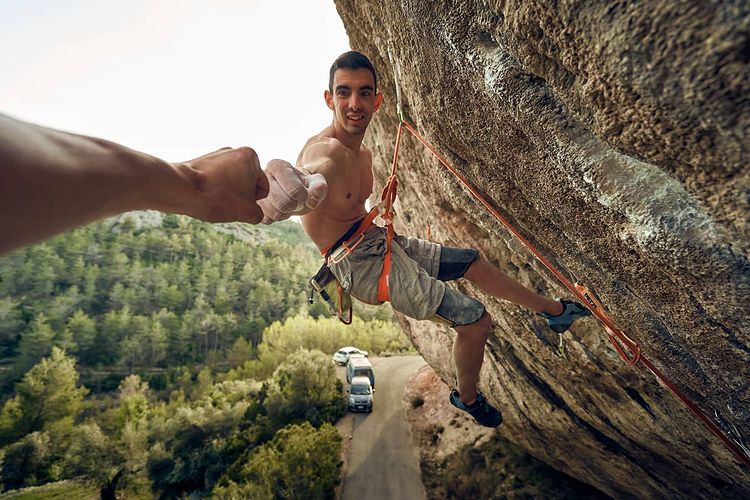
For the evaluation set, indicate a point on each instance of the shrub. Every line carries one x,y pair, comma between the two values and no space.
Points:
305,387
300,462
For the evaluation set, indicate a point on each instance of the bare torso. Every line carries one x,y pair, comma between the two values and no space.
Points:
349,177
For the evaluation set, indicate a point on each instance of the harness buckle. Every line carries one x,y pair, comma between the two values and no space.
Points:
345,249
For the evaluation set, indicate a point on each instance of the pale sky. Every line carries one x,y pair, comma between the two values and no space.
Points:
176,79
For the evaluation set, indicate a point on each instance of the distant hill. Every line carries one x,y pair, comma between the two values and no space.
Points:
288,232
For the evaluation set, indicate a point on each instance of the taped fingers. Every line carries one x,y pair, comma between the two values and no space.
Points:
277,206
317,189
280,198
290,191
271,213
290,180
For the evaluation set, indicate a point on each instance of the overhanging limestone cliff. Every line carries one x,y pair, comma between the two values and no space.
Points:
615,138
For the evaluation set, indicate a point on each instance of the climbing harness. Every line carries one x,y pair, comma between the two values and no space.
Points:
628,349
325,283
332,293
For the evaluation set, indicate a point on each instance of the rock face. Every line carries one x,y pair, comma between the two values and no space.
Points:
615,137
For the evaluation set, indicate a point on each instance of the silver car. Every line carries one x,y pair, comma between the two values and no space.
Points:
360,395
341,356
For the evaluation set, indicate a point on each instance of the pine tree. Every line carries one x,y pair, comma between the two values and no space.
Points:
82,330
47,394
35,344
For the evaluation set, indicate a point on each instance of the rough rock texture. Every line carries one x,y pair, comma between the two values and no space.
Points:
615,136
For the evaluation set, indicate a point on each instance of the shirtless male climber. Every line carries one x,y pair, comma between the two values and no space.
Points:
418,268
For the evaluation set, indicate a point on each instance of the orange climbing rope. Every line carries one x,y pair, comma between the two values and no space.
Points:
387,197
627,348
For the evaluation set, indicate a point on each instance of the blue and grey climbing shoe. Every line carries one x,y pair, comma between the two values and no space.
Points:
483,412
571,312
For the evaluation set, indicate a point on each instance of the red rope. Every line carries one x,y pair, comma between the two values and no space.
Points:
627,348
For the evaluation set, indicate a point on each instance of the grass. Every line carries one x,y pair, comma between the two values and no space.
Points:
62,490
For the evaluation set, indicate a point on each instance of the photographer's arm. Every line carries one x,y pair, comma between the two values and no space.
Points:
51,181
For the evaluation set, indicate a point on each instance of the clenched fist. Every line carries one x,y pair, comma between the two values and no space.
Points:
229,183
291,191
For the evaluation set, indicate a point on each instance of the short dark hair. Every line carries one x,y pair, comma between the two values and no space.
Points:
351,60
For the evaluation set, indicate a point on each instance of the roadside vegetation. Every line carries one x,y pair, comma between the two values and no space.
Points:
166,359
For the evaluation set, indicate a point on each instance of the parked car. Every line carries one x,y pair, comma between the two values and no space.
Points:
341,356
360,395
359,366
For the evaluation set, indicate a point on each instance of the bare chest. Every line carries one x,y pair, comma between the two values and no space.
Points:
353,186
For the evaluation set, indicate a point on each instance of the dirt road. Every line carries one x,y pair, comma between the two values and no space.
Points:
383,462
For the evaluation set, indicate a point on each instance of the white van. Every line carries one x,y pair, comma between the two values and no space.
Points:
358,366
360,395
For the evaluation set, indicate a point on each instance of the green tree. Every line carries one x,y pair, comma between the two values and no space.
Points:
157,344
115,326
324,334
119,268
121,296
11,417
82,329
300,462
114,457
90,278
191,449
305,387
179,339
11,324
44,277
77,273
62,307
29,462
92,454
133,401
50,392
226,297
203,384
35,343
170,296
240,352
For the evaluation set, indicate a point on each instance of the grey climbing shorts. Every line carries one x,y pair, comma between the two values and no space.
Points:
416,285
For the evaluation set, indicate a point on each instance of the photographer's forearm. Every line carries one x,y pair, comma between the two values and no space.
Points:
51,181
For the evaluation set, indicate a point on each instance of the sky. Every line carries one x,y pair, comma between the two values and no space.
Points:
175,79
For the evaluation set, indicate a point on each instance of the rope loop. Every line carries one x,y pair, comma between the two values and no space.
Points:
629,351
627,348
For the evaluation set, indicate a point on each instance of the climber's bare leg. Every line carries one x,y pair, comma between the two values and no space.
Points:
496,283
468,354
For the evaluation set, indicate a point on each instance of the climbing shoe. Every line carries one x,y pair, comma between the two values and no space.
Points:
483,412
571,312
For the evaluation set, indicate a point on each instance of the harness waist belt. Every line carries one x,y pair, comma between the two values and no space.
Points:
348,234
357,229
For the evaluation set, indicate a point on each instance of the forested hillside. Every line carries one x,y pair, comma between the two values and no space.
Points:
154,296
157,356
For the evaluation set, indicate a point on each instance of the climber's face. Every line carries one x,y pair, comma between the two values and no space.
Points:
353,101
